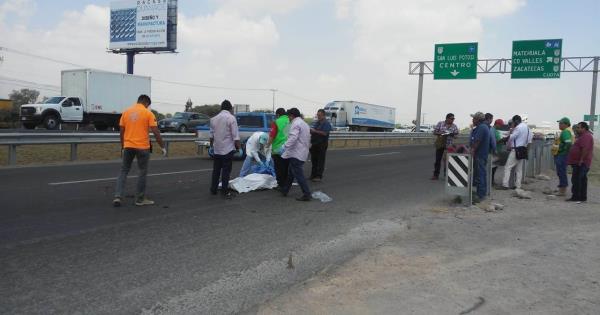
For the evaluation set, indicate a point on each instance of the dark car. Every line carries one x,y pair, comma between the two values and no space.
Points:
183,122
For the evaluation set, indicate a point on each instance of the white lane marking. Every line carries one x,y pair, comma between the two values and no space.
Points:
115,178
379,154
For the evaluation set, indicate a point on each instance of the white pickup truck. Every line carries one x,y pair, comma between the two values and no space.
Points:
88,97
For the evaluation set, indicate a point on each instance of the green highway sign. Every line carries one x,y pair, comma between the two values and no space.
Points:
590,117
455,61
536,59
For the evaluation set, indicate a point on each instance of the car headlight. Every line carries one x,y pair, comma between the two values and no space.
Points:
174,123
38,109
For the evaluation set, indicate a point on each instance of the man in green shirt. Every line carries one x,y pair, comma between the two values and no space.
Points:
277,138
561,150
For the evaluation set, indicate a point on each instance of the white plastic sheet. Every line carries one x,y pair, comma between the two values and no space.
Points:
321,196
253,182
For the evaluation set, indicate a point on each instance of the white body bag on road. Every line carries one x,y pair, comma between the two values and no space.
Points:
252,182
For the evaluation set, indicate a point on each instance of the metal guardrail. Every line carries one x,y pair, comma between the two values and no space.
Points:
540,158
13,140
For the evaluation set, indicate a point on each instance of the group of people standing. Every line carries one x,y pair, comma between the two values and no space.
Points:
287,144
575,147
512,150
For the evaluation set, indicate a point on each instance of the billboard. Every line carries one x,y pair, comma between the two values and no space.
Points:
143,25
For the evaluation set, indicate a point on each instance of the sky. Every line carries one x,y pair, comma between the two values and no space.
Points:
314,52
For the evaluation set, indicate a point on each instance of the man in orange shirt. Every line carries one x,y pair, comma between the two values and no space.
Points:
135,143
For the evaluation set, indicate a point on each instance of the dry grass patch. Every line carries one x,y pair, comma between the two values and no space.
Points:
59,153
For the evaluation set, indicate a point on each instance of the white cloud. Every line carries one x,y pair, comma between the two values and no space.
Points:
330,81
223,48
22,9
241,40
386,30
254,8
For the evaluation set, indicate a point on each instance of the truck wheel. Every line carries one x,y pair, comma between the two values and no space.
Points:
183,129
51,122
100,126
29,126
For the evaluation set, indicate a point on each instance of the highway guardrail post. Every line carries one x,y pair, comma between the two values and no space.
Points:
73,152
167,148
12,154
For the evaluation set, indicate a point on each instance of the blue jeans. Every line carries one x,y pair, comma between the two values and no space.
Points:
561,170
481,180
295,170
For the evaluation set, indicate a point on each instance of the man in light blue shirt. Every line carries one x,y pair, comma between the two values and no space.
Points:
295,150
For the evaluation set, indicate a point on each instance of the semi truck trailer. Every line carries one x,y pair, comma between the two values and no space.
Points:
358,116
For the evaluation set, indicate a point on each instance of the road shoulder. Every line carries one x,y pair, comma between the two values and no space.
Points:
536,256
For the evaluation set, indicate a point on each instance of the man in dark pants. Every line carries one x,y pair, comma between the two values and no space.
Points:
295,151
135,143
445,131
319,139
224,140
277,138
580,159
480,149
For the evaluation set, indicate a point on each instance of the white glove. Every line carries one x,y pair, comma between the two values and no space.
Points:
164,151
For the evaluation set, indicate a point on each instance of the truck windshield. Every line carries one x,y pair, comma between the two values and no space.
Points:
54,100
178,116
250,121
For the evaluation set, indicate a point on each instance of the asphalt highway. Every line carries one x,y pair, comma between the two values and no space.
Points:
65,249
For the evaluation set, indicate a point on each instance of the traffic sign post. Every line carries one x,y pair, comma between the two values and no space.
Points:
455,61
536,59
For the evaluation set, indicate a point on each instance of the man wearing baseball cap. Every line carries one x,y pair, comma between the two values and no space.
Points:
560,150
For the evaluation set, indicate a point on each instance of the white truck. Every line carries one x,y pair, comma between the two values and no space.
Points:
358,116
87,97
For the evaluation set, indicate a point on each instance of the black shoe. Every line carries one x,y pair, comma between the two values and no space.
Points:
571,199
283,191
304,198
228,195
117,202
213,192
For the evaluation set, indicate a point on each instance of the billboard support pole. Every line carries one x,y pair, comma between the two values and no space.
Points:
130,61
419,97
594,88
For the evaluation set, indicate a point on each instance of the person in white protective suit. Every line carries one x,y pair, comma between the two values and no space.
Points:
257,143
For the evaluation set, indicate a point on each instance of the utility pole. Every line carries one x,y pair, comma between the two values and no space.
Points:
273,91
